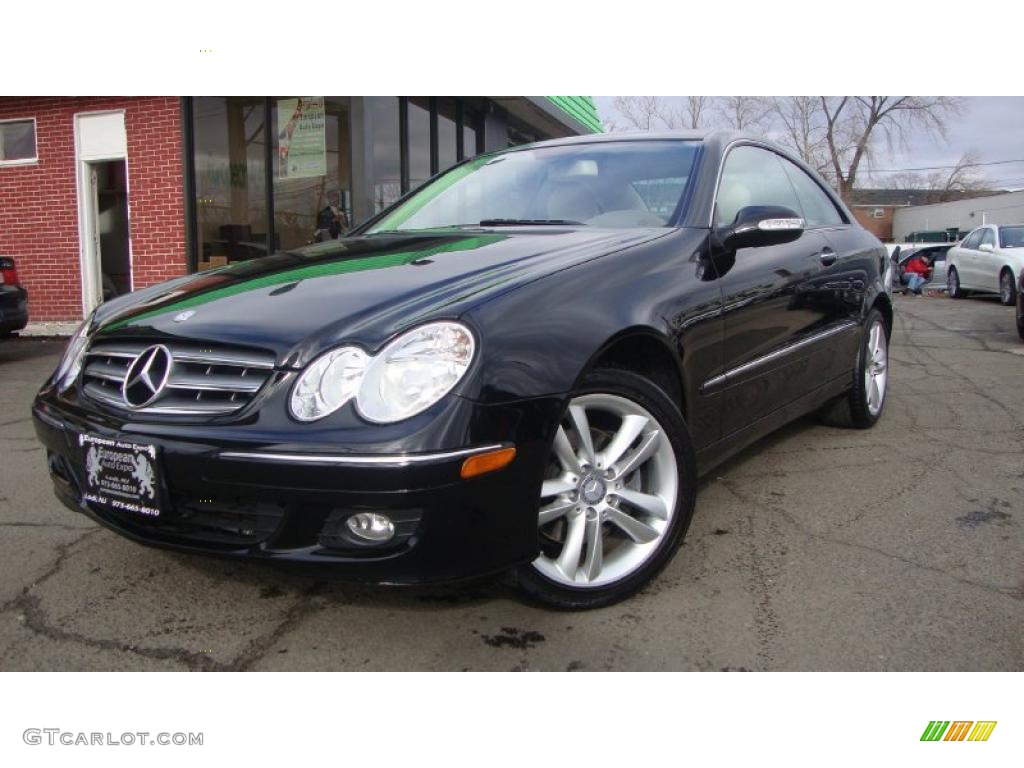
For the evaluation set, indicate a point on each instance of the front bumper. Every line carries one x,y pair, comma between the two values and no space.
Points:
236,498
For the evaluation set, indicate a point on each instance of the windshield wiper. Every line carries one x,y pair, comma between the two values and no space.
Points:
528,222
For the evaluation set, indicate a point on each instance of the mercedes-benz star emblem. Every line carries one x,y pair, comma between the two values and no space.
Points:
147,376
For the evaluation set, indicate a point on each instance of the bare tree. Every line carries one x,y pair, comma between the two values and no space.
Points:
802,126
946,184
853,123
963,177
696,110
743,112
646,113
651,113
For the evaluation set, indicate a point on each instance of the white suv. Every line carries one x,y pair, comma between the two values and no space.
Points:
987,260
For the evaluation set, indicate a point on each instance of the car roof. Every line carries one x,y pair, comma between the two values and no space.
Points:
708,136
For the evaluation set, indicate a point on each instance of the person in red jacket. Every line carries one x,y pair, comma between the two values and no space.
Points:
916,272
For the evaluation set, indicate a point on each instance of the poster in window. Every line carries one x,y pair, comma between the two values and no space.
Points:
301,144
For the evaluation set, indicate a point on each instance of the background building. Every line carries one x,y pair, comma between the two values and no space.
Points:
100,196
876,209
964,215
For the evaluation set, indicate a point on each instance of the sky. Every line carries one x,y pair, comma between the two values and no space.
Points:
993,127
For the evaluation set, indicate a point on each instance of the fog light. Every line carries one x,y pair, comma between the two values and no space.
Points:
371,526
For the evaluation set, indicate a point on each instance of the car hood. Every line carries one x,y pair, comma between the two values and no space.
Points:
360,290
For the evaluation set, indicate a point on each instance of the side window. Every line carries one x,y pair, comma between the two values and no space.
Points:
987,236
752,176
819,211
972,241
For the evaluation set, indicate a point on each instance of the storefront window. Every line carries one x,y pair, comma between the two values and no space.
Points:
469,123
312,169
520,133
387,182
419,141
230,179
447,148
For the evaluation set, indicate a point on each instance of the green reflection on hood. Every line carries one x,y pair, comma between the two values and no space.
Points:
241,284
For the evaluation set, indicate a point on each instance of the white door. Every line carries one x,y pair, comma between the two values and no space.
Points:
967,260
99,136
988,262
92,276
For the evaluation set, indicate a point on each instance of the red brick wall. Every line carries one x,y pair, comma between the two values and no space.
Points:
880,228
39,209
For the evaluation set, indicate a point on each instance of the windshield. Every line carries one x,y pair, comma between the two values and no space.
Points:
614,184
1011,237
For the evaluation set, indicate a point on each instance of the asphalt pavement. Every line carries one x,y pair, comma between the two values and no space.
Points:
895,548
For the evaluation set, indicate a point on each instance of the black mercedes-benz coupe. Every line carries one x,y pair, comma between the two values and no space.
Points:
521,367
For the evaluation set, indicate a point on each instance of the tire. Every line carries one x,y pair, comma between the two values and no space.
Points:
953,284
860,408
1020,328
634,423
1007,289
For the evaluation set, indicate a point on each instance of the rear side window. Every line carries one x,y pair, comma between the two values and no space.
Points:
818,209
1011,237
752,176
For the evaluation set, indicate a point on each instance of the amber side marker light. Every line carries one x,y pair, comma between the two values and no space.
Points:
483,463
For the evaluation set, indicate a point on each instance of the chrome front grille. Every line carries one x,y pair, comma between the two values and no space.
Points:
202,379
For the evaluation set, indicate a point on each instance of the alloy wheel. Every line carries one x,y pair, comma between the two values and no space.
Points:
610,492
876,368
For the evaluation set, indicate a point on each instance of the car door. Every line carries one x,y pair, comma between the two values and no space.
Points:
938,279
988,263
857,259
966,261
776,302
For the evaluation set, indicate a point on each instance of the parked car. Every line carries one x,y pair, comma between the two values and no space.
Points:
937,255
1020,305
521,367
987,261
13,299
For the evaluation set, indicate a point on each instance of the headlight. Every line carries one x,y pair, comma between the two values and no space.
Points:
71,363
408,376
328,383
415,371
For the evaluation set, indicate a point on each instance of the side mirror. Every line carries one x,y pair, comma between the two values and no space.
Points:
759,225
987,247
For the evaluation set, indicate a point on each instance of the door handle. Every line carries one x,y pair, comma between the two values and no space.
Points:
827,257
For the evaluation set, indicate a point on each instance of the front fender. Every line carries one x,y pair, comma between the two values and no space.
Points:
537,340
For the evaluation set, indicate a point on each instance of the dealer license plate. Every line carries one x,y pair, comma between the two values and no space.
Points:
121,475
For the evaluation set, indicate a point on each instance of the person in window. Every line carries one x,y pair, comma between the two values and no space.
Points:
331,222
916,272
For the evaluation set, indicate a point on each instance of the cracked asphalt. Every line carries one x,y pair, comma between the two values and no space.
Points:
897,548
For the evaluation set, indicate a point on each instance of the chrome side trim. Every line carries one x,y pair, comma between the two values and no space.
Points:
723,378
359,460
